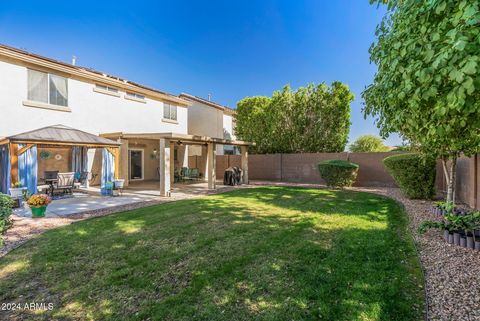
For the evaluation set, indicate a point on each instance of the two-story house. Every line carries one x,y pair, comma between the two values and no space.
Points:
151,125
208,118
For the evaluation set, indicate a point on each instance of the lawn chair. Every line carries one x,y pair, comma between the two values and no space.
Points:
65,183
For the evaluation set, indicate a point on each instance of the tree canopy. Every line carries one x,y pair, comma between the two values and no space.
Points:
427,87
368,143
315,118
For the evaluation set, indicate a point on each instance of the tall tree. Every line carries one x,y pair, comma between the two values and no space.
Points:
368,143
427,87
315,118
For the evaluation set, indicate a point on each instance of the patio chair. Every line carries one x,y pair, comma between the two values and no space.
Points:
65,183
82,180
194,174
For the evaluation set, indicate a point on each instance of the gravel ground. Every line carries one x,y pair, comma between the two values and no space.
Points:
452,273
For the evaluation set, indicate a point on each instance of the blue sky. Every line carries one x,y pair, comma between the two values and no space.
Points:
230,49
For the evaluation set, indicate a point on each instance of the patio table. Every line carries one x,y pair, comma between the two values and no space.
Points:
51,182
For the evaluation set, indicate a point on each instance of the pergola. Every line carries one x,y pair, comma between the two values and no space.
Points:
53,136
166,146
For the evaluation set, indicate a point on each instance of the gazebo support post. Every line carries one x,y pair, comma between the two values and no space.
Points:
14,163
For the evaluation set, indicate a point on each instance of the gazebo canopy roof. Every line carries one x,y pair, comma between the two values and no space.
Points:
60,135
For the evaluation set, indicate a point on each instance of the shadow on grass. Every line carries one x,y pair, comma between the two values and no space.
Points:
254,254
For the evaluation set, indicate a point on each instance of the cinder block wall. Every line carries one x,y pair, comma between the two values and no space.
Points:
467,182
302,168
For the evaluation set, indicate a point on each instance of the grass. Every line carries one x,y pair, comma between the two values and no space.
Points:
267,253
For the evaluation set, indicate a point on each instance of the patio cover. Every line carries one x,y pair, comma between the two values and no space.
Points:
184,138
18,162
59,135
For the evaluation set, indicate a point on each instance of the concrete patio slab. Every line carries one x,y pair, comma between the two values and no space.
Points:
79,203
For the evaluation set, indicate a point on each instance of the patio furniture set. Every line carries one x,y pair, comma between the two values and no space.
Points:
55,182
187,175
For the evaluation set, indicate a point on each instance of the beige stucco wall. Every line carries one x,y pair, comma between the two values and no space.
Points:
52,164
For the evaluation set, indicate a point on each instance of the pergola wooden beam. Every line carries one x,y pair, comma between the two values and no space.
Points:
24,149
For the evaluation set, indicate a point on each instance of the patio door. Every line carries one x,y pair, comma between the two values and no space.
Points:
135,164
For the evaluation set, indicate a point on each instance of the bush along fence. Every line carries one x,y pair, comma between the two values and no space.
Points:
338,173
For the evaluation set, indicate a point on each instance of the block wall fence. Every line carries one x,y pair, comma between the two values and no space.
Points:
302,168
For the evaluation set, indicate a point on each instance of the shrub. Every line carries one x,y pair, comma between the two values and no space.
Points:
413,173
338,173
6,204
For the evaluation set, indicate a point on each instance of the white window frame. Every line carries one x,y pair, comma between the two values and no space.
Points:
135,97
170,119
46,105
130,164
107,90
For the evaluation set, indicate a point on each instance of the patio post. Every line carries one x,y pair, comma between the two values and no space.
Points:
244,164
13,163
164,152
211,164
172,162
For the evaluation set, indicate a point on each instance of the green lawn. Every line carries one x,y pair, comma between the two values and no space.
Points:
267,253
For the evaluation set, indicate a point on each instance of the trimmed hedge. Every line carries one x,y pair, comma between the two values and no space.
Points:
338,173
6,204
413,173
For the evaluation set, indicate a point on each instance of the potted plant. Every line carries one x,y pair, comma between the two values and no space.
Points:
16,190
119,182
107,189
38,204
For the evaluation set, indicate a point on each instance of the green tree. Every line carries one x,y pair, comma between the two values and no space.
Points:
315,118
368,143
427,87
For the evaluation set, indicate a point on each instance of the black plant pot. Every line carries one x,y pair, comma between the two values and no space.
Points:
470,243
446,233
463,242
450,238
456,238
477,245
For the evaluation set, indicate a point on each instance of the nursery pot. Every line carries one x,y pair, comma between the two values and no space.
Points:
463,242
477,245
456,238
470,243
450,238
446,233
38,211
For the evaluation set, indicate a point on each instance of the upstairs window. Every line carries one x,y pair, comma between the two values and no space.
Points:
107,88
135,96
169,111
47,88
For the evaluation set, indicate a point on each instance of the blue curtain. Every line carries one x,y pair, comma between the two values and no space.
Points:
4,169
108,167
79,159
27,168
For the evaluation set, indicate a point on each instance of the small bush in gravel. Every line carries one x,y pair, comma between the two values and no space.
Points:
413,173
6,204
338,173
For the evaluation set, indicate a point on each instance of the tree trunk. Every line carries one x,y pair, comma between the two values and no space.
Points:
450,176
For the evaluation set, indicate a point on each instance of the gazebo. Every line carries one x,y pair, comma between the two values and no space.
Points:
19,159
